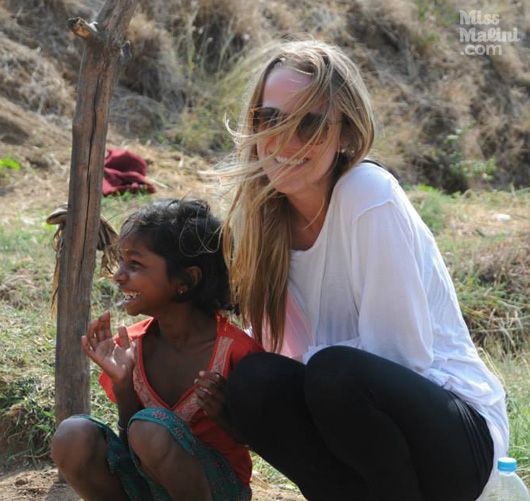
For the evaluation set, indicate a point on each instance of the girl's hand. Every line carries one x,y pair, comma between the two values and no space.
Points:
99,345
211,393
211,396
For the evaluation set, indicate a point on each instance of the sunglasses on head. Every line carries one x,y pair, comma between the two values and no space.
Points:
307,129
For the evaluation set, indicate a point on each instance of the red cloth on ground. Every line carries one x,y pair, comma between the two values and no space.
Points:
124,171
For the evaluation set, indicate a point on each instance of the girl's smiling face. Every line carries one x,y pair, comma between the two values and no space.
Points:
289,171
143,279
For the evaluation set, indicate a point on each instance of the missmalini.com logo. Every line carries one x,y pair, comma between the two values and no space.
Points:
482,35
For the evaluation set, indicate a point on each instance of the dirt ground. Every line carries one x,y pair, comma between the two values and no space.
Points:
43,485
35,484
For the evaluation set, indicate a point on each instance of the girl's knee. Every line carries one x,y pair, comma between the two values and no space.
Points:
151,442
167,462
75,442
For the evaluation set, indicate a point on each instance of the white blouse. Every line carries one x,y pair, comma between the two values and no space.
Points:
375,280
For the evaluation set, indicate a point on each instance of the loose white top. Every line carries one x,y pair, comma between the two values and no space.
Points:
375,280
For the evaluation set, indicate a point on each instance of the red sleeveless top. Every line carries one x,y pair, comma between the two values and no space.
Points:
231,345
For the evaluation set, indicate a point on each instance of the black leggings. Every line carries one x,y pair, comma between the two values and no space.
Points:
354,426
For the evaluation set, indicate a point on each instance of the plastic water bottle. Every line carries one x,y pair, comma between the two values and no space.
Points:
508,487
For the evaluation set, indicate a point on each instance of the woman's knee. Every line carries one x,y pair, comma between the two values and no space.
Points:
334,376
260,382
76,442
252,372
339,365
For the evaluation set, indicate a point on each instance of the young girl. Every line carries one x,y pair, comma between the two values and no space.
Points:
164,372
381,393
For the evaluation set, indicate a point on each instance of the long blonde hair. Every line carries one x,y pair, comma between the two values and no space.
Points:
257,228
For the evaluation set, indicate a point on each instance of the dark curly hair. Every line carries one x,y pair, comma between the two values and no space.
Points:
185,233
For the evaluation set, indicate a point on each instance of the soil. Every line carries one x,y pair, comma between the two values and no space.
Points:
43,485
40,484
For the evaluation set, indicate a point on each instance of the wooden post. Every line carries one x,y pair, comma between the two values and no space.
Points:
105,51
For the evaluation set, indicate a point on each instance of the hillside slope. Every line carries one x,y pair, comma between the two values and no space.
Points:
447,118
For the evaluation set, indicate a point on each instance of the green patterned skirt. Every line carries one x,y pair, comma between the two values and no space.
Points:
224,484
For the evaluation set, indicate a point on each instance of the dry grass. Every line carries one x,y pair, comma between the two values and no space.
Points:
486,255
184,76
32,81
485,240
414,47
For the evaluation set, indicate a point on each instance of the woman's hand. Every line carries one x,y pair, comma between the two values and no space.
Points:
117,361
210,393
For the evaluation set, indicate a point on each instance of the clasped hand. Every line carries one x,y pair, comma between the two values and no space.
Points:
210,393
117,360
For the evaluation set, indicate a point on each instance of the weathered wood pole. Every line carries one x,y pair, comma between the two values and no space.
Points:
104,53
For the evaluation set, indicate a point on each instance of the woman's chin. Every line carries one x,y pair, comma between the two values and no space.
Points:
295,192
287,186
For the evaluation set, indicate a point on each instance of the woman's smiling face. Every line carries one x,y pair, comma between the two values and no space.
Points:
289,171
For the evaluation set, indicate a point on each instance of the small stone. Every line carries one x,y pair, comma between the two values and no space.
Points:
502,217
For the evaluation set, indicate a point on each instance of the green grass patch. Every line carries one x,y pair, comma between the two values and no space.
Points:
9,163
515,372
432,205
489,270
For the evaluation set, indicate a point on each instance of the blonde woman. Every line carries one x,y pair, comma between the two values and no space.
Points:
372,387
